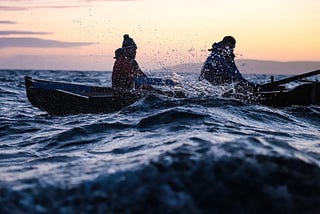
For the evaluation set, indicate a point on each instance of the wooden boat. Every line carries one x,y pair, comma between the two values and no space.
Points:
276,95
302,95
61,98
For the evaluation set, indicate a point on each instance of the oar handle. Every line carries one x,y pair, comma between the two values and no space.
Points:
290,79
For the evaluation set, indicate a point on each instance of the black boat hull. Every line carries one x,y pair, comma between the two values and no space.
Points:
59,98
302,95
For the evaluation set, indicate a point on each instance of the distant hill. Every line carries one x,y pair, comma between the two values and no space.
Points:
275,67
250,66
103,63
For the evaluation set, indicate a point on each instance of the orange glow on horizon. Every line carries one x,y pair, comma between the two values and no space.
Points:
170,32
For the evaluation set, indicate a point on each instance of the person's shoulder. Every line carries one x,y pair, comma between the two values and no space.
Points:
217,46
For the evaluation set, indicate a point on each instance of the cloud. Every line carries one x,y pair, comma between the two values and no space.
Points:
7,22
12,32
54,4
9,8
38,43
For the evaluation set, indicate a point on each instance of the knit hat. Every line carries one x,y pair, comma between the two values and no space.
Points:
128,42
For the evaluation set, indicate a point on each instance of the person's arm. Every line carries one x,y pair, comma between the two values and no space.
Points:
137,72
237,76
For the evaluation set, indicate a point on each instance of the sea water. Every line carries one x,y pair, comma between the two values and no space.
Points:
201,154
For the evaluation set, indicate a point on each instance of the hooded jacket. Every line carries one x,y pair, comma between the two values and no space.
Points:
220,68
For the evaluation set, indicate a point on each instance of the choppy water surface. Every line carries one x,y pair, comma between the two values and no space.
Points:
159,155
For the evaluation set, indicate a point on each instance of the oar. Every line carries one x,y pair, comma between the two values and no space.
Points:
154,81
287,80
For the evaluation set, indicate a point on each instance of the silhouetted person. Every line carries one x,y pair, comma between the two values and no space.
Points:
220,67
126,68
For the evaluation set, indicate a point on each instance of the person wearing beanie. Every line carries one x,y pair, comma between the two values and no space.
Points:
125,68
220,67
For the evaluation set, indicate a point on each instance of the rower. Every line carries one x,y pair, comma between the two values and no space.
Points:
126,68
220,68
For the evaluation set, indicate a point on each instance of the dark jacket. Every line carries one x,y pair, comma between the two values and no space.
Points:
125,70
220,68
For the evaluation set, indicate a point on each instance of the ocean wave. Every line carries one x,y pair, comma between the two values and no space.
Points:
230,178
198,154
170,117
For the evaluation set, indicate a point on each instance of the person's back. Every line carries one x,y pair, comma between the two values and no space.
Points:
121,72
126,68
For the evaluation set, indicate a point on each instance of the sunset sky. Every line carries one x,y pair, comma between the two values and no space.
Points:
83,34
